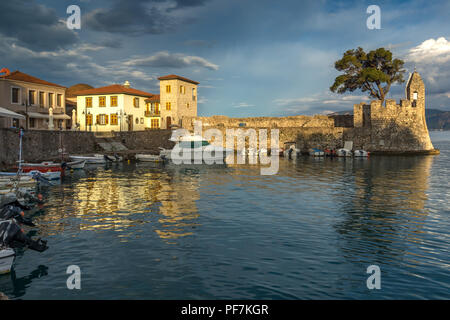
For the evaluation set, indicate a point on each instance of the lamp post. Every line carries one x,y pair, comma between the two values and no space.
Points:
27,104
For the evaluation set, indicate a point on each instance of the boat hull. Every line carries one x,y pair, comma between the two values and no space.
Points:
6,260
89,160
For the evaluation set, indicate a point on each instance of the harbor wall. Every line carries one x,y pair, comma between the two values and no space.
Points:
44,145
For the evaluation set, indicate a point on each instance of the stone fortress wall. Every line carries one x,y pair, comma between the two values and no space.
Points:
392,128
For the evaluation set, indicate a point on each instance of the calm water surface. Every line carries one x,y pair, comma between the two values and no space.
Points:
309,232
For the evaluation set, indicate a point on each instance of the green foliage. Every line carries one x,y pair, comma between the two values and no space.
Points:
372,72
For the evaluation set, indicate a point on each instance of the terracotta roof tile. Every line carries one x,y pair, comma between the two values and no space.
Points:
155,98
115,88
175,77
20,76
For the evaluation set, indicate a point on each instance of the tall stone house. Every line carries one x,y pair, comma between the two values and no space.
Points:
37,100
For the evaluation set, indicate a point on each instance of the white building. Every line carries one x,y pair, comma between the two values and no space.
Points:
121,108
112,108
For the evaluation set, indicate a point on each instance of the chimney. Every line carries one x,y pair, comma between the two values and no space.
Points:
126,84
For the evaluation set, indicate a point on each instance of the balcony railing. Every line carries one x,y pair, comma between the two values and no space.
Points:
152,114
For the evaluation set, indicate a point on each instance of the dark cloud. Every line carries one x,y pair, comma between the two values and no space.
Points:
136,17
34,25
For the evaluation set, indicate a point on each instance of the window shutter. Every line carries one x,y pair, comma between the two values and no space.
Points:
97,119
106,119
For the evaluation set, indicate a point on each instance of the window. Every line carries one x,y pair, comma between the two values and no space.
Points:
32,97
89,119
142,120
50,100
182,89
59,100
156,108
41,99
113,101
136,102
155,123
137,120
89,102
193,94
102,119
187,105
102,101
168,106
114,119
168,89
15,95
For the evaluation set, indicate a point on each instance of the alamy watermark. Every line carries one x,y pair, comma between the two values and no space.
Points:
74,20
374,20
374,280
74,280
193,152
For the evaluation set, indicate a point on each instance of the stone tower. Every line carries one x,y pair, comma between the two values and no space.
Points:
395,127
415,91
178,99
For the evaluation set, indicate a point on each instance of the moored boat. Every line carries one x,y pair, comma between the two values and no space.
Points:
76,164
361,153
6,259
344,152
150,158
43,167
316,152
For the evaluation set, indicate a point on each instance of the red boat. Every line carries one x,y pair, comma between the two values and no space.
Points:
43,167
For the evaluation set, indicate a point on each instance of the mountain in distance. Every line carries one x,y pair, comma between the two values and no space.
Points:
436,119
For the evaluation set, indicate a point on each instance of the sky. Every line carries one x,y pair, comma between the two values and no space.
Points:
251,57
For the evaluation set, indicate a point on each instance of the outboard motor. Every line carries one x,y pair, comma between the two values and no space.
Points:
12,236
12,212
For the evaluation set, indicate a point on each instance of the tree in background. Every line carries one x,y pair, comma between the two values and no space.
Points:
374,72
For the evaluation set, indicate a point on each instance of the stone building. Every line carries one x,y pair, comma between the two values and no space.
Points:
178,100
42,103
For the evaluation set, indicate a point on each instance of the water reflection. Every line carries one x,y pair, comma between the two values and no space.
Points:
16,287
104,200
382,206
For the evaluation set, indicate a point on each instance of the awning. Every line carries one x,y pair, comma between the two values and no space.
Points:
38,115
10,114
46,116
61,116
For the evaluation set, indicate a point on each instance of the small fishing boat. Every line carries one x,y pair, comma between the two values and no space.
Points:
150,158
56,175
6,259
344,152
330,153
290,150
76,164
316,152
361,153
43,167
96,159
11,181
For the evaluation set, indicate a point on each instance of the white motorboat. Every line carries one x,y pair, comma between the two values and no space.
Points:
6,259
361,153
193,149
344,152
150,158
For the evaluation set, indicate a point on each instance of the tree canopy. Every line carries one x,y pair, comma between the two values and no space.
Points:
372,72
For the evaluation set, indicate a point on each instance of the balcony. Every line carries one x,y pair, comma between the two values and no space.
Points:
149,114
